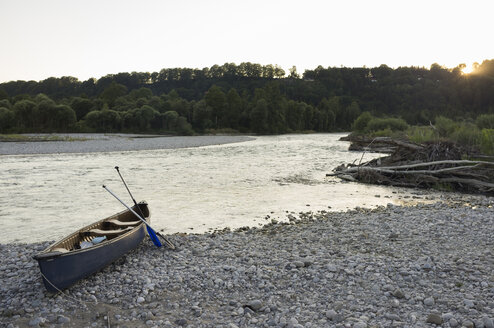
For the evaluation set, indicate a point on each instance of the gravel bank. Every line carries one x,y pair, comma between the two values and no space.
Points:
113,142
389,267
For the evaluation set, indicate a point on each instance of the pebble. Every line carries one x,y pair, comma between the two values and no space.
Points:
434,318
325,269
429,301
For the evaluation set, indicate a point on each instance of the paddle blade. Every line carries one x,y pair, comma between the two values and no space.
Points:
153,236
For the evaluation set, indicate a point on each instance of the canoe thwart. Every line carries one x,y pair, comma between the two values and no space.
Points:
101,232
119,223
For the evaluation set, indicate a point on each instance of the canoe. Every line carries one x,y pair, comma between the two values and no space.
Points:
91,248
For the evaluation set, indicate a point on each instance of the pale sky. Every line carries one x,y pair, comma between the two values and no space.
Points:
93,38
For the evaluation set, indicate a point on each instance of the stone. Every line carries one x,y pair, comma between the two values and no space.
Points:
392,316
62,319
434,318
331,315
488,322
181,322
398,293
255,305
453,323
429,301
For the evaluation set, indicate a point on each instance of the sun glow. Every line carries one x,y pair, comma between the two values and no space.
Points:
467,69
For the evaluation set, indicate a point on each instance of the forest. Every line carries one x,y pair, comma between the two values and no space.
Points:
246,98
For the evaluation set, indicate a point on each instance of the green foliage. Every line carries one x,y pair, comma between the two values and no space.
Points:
420,134
26,113
393,124
112,92
485,121
104,121
387,132
6,119
445,126
258,98
466,134
360,124
81,106
259,116
487,141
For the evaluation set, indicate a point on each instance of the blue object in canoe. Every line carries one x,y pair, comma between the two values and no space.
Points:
65,262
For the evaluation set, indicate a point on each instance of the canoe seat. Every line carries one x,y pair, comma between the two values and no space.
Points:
119,223
100,232
59,249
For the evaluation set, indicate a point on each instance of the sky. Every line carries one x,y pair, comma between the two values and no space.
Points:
93,38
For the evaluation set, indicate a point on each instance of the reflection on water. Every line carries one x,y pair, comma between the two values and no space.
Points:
45,197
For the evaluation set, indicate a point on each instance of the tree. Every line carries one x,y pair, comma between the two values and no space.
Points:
293,73
170,119
64,118
234,108
216,99
81,106
259,117
7,119
104,121
26,113
361,122
112,92
202,116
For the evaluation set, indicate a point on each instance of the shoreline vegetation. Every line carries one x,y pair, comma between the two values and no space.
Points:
444,155
246,98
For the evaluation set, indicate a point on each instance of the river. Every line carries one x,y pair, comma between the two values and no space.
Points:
194,190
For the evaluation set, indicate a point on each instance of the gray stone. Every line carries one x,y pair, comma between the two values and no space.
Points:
429,301
488,322
255,305
453,323
331,315
478,323
62,319
434,318
398,293
392,316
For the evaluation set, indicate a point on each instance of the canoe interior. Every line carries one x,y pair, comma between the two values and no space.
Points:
112,227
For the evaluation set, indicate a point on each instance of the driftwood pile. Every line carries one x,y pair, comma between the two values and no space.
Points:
439,165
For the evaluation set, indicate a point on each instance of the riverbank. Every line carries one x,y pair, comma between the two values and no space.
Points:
90,143
388,267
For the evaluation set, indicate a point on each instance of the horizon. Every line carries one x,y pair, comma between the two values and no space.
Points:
467,70
91,39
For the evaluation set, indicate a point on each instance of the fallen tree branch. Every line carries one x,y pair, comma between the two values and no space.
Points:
395,171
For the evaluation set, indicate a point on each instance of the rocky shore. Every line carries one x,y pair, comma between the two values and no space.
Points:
422,266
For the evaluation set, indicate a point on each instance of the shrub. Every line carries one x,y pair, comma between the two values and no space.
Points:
394,124
487,141
420,134
485,121
383,133
361,122
445,126
466,134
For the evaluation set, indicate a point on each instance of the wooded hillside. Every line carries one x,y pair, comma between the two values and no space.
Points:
246,98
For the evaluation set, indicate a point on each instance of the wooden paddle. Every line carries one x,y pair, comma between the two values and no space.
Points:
167,242
151,232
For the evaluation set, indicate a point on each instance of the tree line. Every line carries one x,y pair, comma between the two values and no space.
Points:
248,98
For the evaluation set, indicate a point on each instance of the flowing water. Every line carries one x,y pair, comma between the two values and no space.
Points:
45,197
